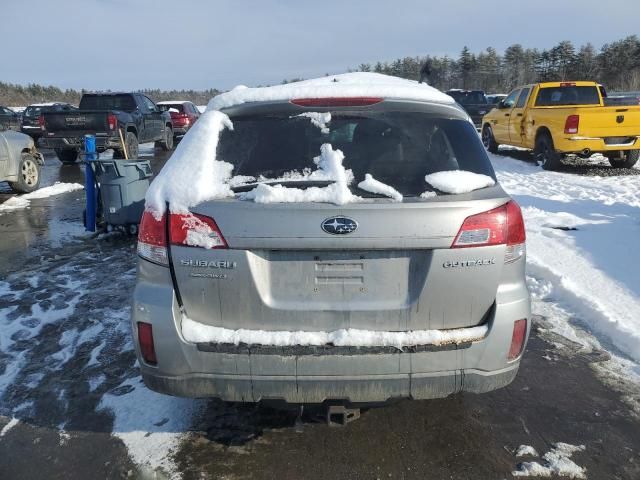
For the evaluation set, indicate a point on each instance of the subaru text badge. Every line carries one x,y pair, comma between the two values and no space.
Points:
339,225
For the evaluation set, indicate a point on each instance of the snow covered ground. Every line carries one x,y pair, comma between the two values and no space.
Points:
23,201
582,236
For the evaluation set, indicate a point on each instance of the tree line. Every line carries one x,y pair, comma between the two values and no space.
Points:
616,65
19,95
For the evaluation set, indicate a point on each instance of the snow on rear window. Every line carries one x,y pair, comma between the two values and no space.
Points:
372,185
319,119
458,181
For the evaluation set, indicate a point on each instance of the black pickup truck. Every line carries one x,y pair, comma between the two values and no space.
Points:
113,118
474,102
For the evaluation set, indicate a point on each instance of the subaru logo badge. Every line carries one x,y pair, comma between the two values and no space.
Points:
339,225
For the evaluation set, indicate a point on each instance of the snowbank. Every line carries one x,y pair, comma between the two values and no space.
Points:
372,185
197,333
357,84
556,462
193,174
582,235
22,201
458,181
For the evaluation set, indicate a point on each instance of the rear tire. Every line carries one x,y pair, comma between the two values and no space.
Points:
488,140
132,145
66,156
546,153
628,161
167,143
28,175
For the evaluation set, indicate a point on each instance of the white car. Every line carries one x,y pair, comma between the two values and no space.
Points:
20,162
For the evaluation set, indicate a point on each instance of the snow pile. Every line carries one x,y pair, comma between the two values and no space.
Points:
357,84
372,185
557,462
526,450
458,181
199,333
591,271
22,201
329,168
319,119
193,174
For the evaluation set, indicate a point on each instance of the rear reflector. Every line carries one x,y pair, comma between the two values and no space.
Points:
517,339
145,338
195,230
501,226
571,124
337,101
152,238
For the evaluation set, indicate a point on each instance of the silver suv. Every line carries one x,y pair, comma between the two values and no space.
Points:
412,287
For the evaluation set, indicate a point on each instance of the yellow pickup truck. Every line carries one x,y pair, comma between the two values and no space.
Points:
555,119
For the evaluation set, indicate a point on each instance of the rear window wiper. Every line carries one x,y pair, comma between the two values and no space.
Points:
285,183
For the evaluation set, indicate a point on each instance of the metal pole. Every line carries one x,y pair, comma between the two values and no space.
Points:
90,183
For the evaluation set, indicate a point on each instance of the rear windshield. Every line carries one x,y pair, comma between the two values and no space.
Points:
396,148
174,106
35,111
468,98
555,96
125,103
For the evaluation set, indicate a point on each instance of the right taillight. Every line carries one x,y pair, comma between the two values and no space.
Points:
152,238
517,339
41,123
571,124
500,226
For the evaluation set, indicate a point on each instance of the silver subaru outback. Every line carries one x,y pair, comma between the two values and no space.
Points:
409,282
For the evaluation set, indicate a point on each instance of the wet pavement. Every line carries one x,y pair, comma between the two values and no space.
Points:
66,346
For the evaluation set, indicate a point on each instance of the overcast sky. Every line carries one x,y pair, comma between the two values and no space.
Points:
132,44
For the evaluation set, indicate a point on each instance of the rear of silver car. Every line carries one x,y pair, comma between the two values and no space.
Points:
448,267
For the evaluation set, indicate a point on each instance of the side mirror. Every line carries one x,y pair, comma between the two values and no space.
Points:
501,104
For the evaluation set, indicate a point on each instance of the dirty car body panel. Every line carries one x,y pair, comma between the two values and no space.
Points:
396,272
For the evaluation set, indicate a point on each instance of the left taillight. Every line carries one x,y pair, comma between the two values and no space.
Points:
152,238
145,340
500,226
41,123
571,124
194,230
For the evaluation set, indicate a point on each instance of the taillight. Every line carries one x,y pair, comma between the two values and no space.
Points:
571,124
112,121
145,339
567,84
517,339
195,230
501,226
337,102
152,238
41,123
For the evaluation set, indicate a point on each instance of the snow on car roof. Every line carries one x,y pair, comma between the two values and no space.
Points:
357,84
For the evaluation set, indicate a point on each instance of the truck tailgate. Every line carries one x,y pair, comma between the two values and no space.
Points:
609,121
78,121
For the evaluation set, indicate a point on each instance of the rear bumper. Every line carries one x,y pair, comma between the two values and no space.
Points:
180,130
245,376
576,144
67,143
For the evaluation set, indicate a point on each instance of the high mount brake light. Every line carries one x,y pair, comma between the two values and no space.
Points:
195,230
567,84
500,226
517,339
337,101
571,124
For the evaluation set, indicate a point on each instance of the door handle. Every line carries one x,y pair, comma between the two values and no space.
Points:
506,114
519,115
